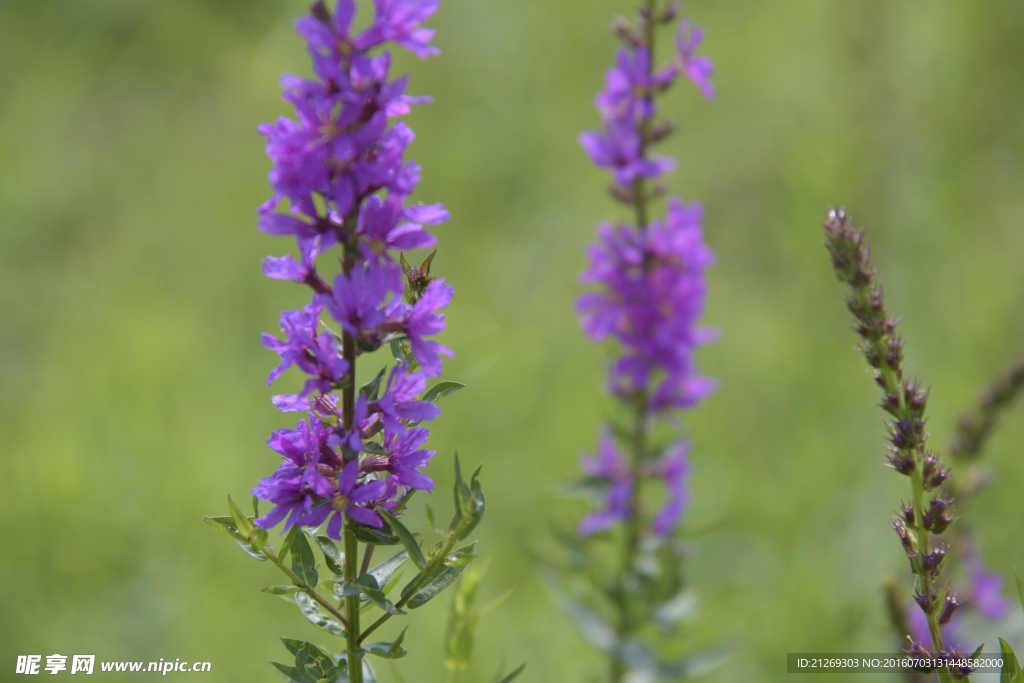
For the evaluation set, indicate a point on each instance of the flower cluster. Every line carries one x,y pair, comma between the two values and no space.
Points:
649,277
341,180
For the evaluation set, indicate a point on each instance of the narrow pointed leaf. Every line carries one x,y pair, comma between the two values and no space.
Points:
406,537
225,525
514,675
317,617
389,650
383,571
376,536
242,522
440,390
304,561
333,557
251,551
1010,665
292,644
375,448
372,388
594,628
281,590
370,589
398,352
437,581
290,673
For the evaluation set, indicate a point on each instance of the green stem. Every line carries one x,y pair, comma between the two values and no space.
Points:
355,663
639,441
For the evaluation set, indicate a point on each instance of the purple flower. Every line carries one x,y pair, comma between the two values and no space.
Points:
627,86
400,400
379,230
673,469
356,300
404,459
299,484
697,69
315,352
423,321
619,149
399,21
351,500
610,469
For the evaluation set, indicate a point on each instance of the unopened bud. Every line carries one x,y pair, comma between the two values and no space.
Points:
948,607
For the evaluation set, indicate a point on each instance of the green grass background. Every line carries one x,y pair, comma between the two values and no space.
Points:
131,375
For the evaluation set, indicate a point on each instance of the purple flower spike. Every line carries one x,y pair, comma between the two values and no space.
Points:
341,180
648,284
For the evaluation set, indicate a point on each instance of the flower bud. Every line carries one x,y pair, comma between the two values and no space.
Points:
948,608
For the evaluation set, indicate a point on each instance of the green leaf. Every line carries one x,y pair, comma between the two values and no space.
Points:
303,560
406,537
431,522
514,675
344,589
251,551
440,390
462,622
436,581
1020,588
258,539
242,522
369,675
333,558
683,605
696,665
1010,666
462,557
281,590
317,616
375,448
395,673
315,663
288,540
225,525
292,644
383,571
389,650
370,589
594,628
291,674
371,389
398,352
390,585
375,536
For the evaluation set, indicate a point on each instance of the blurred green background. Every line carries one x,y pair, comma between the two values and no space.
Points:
131,375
